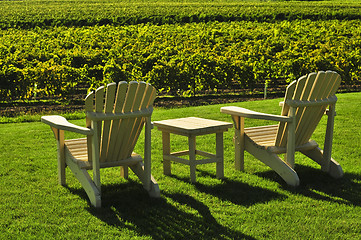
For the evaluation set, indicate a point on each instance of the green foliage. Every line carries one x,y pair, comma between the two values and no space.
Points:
33,13
184,59
52,47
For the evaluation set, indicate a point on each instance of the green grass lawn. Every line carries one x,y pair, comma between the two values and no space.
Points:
254,204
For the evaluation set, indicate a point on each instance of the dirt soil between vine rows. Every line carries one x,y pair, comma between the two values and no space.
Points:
17,108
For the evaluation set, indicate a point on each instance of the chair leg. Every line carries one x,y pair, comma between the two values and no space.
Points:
138,169
332,167
87,183
59,136
124,173
273,161
61,160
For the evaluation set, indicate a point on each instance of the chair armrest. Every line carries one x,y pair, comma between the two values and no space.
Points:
243,112
61,123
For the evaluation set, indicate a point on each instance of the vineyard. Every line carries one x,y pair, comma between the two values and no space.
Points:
50,48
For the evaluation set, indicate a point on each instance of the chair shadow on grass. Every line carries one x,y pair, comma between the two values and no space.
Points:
128,206
319,185
237,192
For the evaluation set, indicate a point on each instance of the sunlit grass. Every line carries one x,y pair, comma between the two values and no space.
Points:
254,204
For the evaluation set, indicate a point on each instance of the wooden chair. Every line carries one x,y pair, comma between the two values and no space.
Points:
306,101
114,122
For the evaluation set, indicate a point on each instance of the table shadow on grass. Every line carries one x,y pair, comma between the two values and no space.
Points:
317,184
173,216
237,192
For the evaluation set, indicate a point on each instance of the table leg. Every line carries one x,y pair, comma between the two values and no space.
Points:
239,142
166,152
219,155
192,157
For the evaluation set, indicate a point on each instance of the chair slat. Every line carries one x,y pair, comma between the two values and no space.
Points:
308,86
266,142
108,108
309,121
148,99
314,86
132,124
118,108
301,112
121,93
261,132
77,141
285,109
89,105
261,128
264,135
312,115
77,148
99,99
99,106
89,102
332,80
142,99
336,84
122,127
303,115
299,92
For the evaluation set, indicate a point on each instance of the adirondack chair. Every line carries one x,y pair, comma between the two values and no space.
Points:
306,101
114,122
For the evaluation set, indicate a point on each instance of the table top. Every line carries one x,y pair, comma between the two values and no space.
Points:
192,125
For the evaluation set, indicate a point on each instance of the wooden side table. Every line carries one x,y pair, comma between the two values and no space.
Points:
192,127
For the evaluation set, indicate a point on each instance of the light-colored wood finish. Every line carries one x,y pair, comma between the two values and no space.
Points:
167,169
61,123
306,101
243,112
239,142
192,127
115,118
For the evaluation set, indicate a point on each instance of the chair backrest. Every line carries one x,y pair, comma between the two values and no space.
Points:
312,92
117,136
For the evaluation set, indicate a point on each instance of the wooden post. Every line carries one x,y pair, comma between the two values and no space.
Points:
290,155
147,154
124,172
219,155
327,149
167,169
192,157
239,142
95,155
59,135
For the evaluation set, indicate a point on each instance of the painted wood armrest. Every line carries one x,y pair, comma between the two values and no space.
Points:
243,112
61,123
